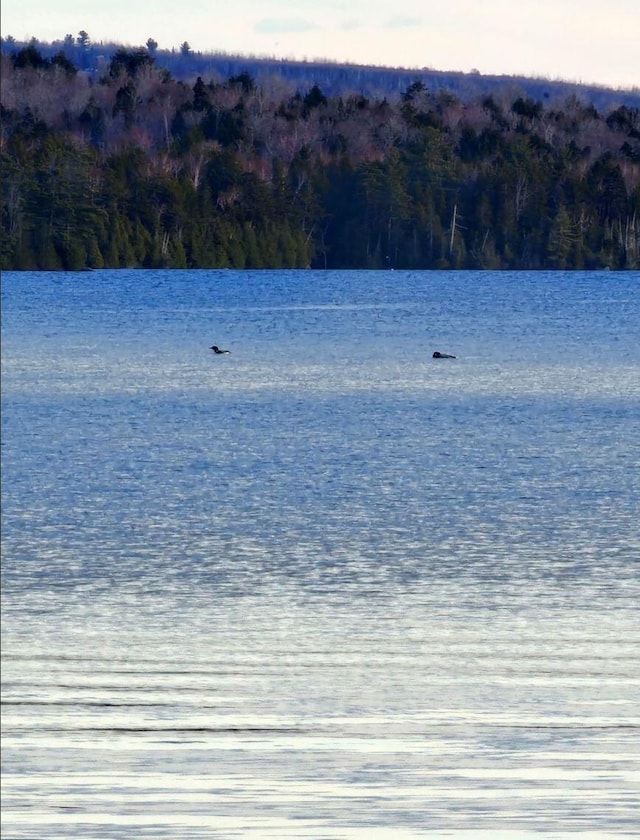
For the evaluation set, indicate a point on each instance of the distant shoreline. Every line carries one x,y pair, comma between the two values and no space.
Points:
126,165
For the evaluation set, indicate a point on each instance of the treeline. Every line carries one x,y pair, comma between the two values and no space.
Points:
335,78
136,169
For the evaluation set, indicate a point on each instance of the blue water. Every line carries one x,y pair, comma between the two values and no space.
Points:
324,586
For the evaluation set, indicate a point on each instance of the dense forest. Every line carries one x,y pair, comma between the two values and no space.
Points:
130,167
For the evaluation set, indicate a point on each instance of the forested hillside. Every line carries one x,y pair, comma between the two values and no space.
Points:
335,78
131,167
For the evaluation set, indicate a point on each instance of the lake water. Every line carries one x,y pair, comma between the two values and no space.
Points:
324,586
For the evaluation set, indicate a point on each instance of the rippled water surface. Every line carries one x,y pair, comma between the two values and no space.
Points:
324,586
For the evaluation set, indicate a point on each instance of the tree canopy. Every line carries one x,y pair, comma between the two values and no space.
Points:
133,168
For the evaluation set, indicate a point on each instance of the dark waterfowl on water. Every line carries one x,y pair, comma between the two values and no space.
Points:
437,355
218,351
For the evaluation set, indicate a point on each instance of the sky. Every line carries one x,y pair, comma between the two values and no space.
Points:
588,41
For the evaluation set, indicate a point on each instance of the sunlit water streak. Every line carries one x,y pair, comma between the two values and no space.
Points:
325,586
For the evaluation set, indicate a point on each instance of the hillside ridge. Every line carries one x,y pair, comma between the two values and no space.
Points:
335,78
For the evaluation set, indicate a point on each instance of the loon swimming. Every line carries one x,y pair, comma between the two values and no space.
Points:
437,355
218,351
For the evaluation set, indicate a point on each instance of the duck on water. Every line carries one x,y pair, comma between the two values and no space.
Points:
218,351
438,355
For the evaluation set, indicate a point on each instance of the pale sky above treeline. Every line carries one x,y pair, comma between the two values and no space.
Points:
575,40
